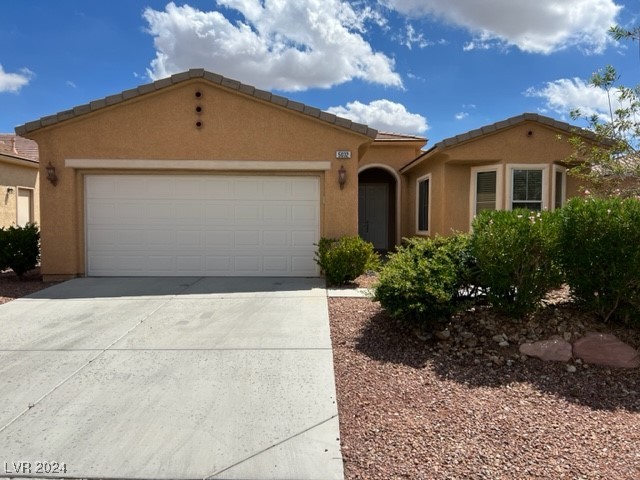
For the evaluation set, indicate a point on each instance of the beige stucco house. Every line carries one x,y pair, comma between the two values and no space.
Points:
19,186
198,174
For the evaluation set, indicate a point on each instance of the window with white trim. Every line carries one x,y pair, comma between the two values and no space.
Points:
423,208
528,187
559,186
486,189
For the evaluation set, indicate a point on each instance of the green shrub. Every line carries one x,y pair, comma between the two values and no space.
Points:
423,280
343,260
600,254
515,253
20,248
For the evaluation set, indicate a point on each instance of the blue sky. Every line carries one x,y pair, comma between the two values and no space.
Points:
430,67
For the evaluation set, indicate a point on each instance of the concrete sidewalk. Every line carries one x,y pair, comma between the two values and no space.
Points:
170,378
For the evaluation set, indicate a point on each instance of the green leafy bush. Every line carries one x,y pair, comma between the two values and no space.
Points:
343,260
424,279
19,248
600,254
515,253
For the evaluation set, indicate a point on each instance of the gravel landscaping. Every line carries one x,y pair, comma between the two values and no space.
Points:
416,406
420,404
11,287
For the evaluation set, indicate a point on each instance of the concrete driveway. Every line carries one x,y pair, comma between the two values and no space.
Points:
222,378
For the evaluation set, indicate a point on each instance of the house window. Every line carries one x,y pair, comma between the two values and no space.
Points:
424,203
486,189
527,188
559,186
486,183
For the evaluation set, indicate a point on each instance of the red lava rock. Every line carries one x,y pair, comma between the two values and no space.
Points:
554,350
606,349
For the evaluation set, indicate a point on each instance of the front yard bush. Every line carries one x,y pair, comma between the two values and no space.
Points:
343,260
515,253
600,254
424,280
19,248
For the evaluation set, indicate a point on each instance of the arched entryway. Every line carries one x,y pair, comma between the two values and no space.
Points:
378,192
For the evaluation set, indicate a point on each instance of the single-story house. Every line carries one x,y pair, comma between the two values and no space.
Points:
198,174
19,185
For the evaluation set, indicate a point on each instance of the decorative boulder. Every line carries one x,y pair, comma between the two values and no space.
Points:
606,349
555,350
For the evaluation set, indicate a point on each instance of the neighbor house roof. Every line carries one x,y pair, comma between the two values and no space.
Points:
15,146
398,137
496,127
190,75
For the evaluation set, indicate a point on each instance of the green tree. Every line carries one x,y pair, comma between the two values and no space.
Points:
608,161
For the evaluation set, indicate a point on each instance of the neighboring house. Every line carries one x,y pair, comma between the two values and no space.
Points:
19,202
198,174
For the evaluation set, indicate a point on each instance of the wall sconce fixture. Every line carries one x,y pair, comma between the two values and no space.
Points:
9,190
51,174
342,176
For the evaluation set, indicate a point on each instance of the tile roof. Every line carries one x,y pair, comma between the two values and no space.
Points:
495,127
399,137
509,122
189,75
24,148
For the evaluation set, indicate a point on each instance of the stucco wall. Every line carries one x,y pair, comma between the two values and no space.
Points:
14,176
529,143
162,126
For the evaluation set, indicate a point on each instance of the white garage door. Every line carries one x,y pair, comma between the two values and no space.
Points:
201,225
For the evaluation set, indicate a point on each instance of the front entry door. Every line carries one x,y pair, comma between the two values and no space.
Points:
373,214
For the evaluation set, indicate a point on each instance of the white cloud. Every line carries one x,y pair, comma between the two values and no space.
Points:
13,82
278,44
537,26
566,94
461,115
412,38
71,84
383,115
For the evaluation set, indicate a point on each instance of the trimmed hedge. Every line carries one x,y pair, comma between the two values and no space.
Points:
424,280
600,254
343,260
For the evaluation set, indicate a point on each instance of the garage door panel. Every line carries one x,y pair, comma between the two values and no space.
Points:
299,265
276,265
221,238
306,189
274,239
250,238
246,212
304,213
217,211
204,225
278,213
247,265
218,264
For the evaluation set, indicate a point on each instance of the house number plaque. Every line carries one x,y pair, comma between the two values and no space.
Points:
342,154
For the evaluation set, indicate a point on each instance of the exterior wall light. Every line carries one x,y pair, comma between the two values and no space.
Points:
342,176
9,190
51,174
